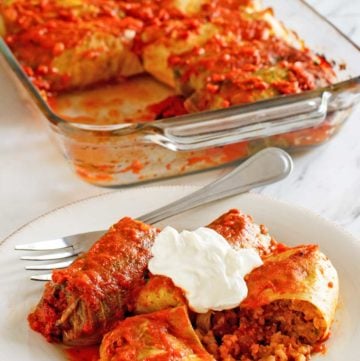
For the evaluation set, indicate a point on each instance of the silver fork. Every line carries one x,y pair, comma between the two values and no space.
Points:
265,167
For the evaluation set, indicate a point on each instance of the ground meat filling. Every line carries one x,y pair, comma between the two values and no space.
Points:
281,331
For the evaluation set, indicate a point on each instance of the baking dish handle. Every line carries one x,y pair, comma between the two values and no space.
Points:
182,134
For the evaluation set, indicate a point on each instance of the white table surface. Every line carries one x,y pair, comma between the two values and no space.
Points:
34,177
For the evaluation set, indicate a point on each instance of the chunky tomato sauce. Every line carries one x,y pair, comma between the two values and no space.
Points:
39,32
170,107
241,232
252,71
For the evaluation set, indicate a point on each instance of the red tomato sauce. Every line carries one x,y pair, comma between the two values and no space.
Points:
89,353
170,107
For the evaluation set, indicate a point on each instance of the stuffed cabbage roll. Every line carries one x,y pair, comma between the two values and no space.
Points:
287,314
83,301
297,288
240,230
228,73
160,336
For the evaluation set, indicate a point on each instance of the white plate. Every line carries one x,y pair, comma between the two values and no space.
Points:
286,223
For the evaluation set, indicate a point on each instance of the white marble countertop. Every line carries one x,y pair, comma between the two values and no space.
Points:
34,177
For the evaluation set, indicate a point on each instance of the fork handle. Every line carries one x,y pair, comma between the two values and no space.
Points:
267,166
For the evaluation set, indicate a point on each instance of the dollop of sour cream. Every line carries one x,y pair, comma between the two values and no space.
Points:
203,264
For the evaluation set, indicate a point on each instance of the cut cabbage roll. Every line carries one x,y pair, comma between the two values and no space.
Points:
83,301
288,312
160,336
298,289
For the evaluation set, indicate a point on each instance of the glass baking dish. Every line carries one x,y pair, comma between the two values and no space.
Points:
119,153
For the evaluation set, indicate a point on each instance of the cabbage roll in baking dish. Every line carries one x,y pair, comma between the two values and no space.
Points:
232,21
252,57
230,73
71,44
83,302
